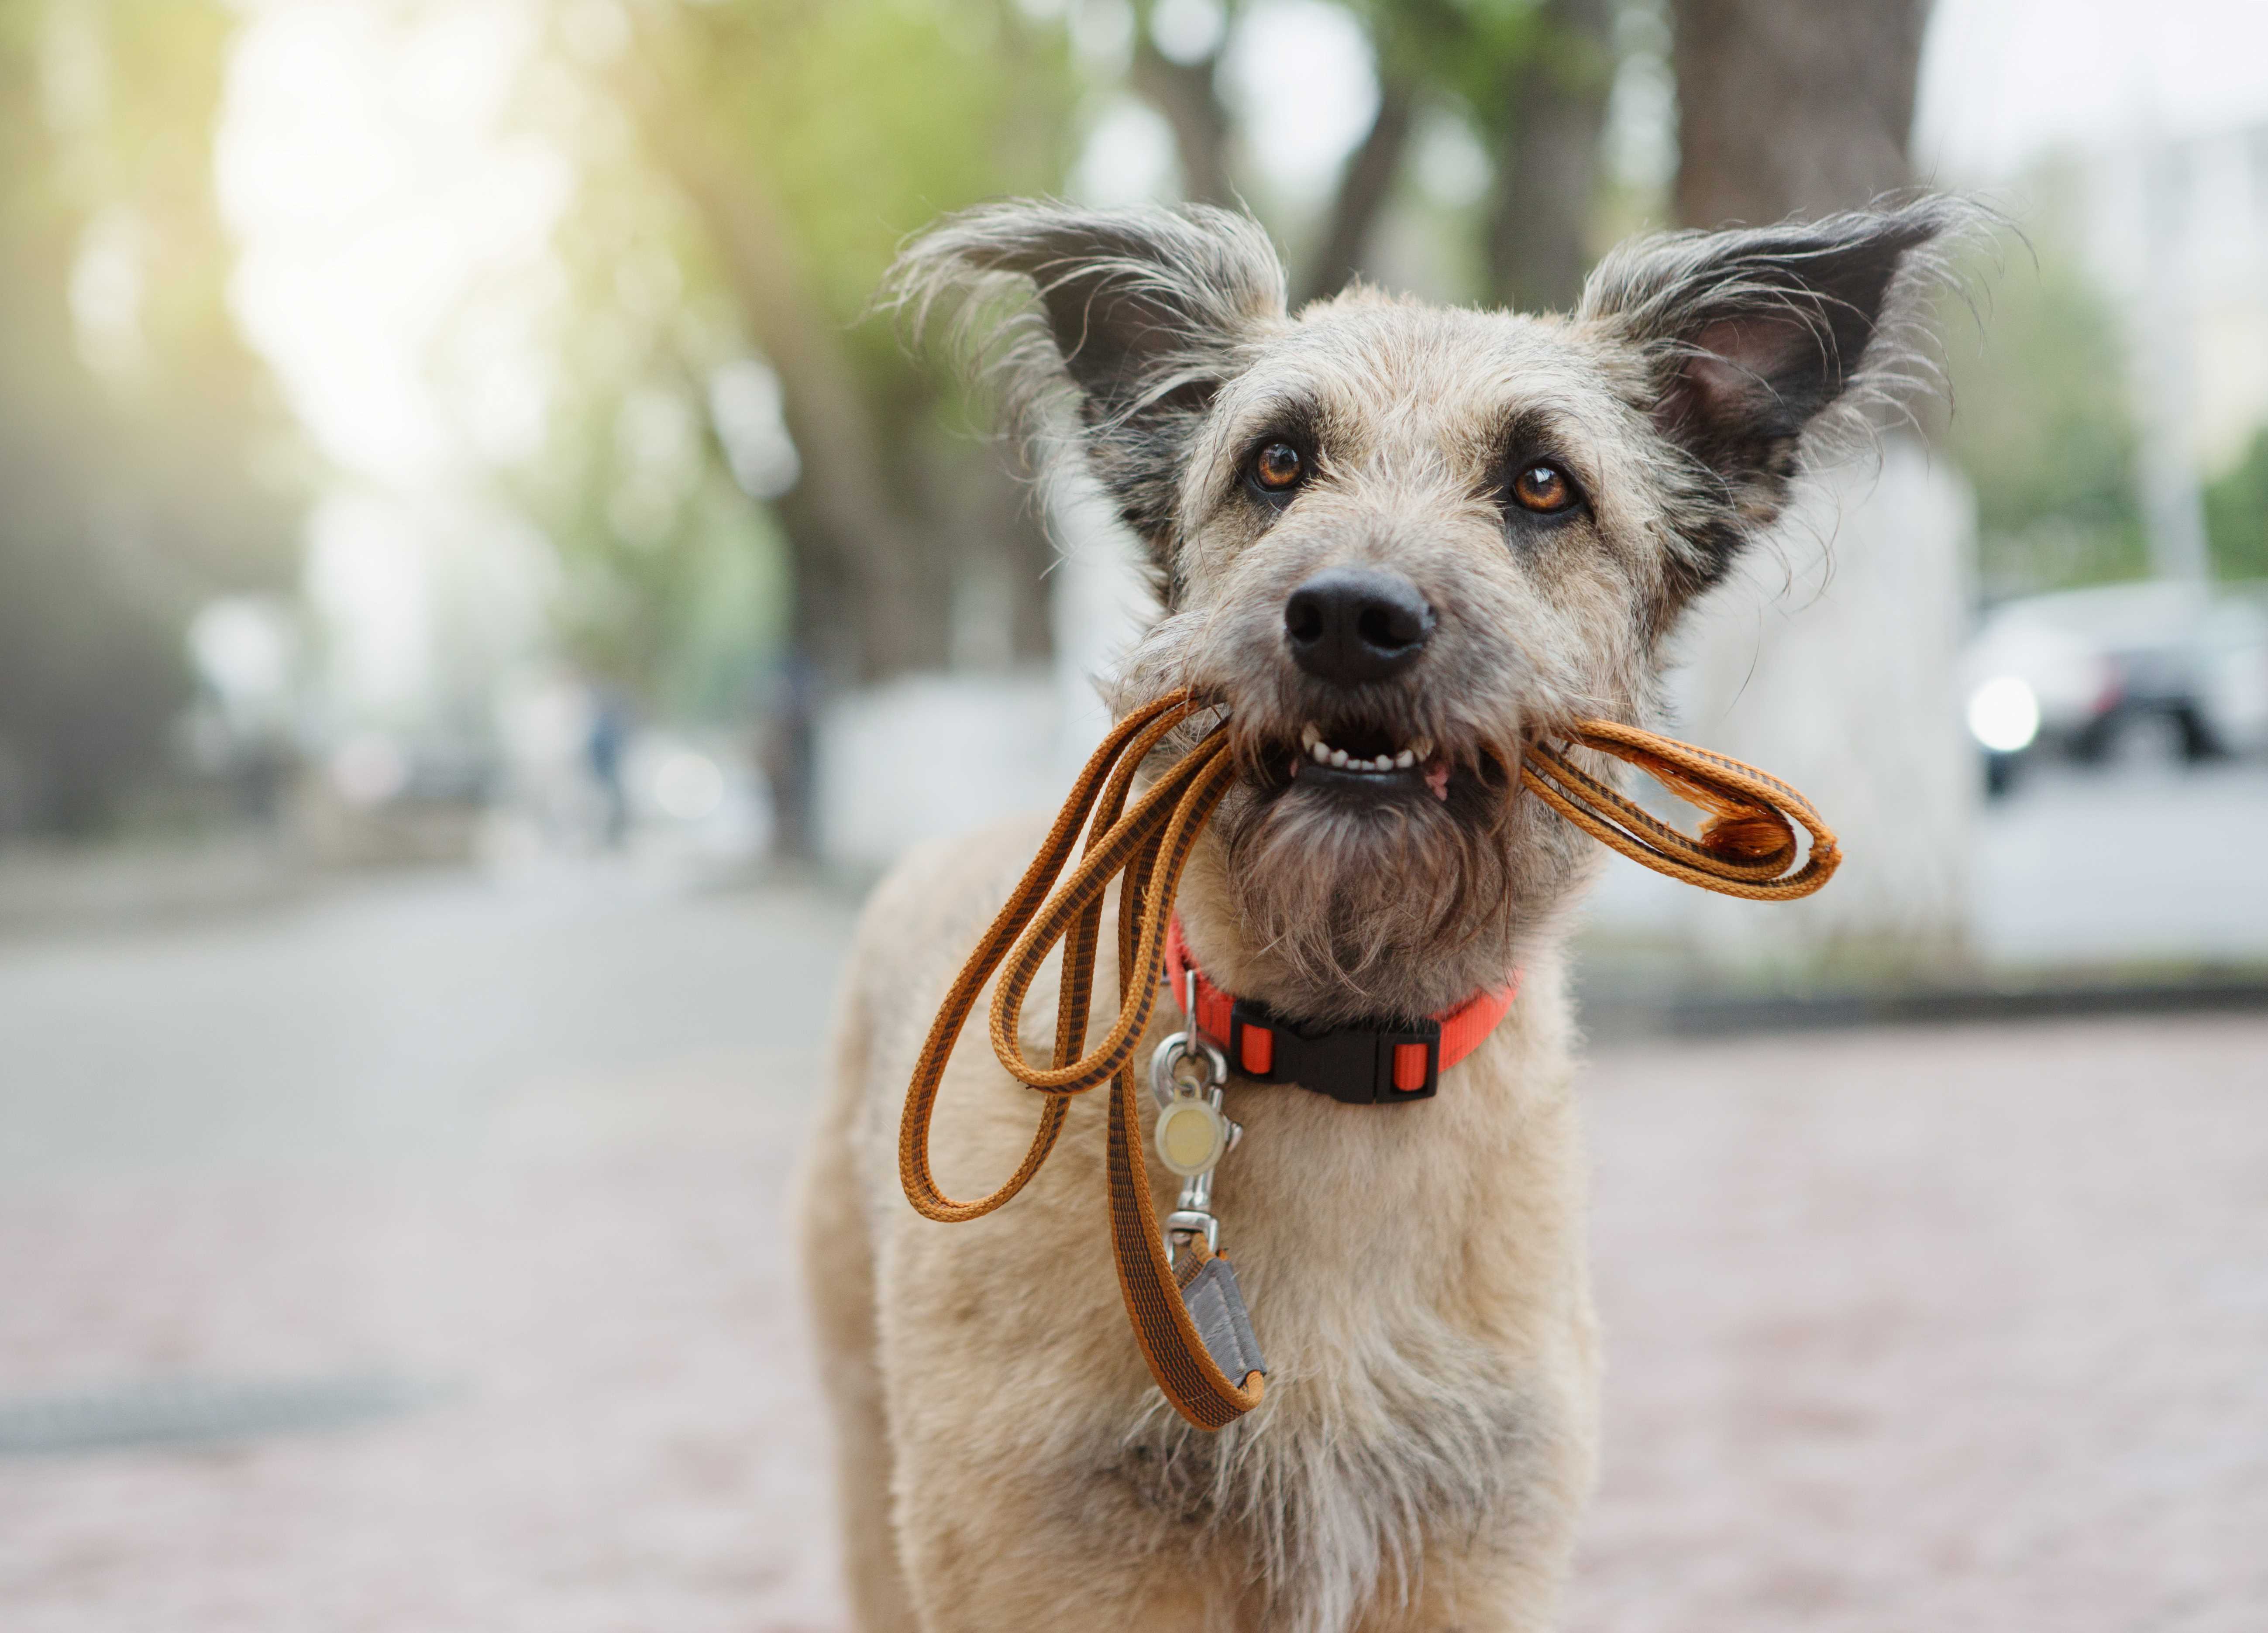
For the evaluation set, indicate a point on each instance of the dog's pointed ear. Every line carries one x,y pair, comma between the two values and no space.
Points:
1750,337
1140,315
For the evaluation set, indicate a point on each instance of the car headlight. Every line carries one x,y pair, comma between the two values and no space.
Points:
2004,715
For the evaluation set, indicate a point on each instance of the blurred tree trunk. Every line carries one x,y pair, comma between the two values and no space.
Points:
1788,107
854,612
1362,193
126,494
850,542
1540,92
1184,93
1554,111
892,531
1803,108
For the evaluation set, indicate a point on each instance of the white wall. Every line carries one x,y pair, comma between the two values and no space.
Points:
931,754
1831,661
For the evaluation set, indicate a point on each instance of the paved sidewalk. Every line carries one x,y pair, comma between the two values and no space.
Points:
1958,1329
1953,1328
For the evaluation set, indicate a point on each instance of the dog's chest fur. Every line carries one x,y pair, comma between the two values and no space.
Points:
1414,1273
1334,1498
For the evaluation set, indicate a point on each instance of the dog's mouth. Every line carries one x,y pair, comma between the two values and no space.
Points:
1368,758
1353,759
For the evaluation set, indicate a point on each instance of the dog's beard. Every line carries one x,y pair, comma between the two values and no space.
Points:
1365,909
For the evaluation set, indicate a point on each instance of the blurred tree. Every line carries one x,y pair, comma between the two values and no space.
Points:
2041,424
1371,170
1532,78
1801,106
131,415
1791,106
673,589
2236,515
799,144
1547,120
1184,86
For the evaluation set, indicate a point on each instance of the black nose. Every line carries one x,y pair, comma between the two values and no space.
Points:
1351,625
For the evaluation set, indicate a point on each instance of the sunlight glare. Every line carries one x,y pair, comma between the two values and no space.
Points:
362,165
1301,75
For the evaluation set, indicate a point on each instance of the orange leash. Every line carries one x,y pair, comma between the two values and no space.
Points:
1190,1322
1746,843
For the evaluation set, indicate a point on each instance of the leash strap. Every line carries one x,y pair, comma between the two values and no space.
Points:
1746,843
1189,1322
1149,845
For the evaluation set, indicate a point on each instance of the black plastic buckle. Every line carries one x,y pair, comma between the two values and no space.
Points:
1352,1064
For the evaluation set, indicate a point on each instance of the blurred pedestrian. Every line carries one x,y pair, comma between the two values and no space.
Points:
608,739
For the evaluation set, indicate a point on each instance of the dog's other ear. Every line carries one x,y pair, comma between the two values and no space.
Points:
1749,336
1141,313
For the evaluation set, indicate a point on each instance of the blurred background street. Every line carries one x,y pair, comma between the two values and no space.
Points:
482,593
442,1219
410,1257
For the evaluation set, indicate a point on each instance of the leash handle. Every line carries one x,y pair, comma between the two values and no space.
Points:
1748,838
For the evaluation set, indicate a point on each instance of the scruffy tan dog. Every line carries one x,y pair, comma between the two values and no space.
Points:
1394,543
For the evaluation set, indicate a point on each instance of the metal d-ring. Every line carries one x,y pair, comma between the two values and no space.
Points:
1187,1044
1174,1049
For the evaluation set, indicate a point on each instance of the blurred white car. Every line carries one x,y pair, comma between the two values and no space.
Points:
2075,671
2232,670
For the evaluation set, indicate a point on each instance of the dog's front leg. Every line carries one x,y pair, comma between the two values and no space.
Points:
1012,1384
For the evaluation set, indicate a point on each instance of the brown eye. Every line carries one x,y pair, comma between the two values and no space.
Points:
1543,488
1277,465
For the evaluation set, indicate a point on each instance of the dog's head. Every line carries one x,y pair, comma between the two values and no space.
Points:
1399,542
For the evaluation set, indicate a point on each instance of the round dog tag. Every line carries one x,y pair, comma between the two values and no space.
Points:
1191,1136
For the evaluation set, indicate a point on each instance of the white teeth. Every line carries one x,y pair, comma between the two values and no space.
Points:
1311,740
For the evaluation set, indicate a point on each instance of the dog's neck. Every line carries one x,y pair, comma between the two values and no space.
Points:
1417,981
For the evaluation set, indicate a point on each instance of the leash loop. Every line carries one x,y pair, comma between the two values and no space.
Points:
1748,838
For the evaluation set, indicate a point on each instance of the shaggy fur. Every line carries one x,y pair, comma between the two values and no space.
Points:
1415,1273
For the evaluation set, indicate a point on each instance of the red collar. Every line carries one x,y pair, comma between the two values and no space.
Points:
1361,1065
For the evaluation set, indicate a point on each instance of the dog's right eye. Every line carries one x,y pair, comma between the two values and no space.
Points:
1277,468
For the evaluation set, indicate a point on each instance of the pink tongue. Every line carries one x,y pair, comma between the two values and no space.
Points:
1437,777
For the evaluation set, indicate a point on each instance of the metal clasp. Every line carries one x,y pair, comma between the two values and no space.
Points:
1187,1077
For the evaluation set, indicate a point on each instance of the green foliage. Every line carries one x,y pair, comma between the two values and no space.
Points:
124,492
1465,50
2236,515
2042,428
627,485
867,121
838,129
672,583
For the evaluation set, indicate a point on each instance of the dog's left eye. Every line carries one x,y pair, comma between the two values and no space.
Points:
1543,487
